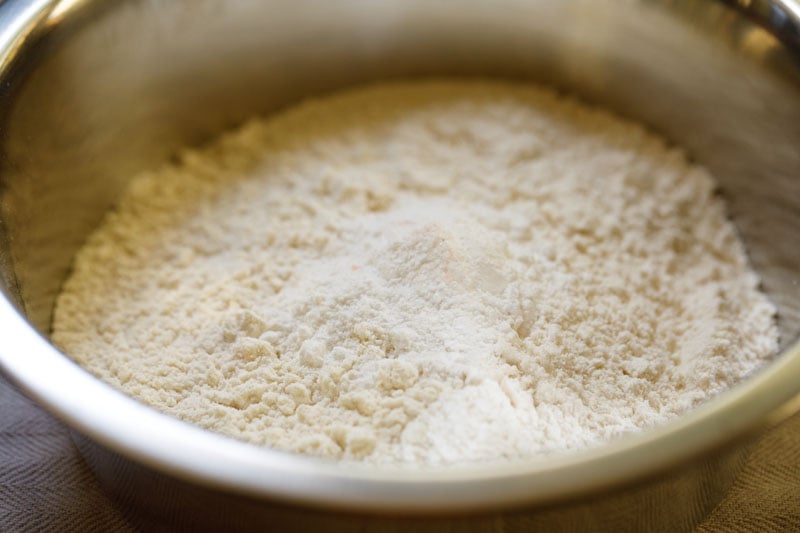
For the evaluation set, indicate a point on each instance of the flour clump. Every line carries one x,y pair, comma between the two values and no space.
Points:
421,273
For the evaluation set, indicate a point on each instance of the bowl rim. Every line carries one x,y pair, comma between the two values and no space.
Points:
196,455
167,445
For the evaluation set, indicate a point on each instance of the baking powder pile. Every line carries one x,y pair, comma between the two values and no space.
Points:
421,273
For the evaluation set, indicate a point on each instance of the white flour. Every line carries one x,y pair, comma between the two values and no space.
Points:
426,273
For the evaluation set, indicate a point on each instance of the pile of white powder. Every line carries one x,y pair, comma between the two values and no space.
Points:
421,273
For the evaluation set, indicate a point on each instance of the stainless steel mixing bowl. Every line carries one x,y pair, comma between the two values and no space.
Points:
92,92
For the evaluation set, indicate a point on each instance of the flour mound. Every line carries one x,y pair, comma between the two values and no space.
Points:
421,273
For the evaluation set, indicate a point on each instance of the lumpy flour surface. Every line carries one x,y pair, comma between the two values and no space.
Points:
421,273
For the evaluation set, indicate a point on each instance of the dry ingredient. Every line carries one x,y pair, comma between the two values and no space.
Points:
421,273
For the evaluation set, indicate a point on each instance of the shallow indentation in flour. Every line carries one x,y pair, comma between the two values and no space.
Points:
426,273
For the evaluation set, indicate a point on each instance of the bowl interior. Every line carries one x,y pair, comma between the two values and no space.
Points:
110,90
